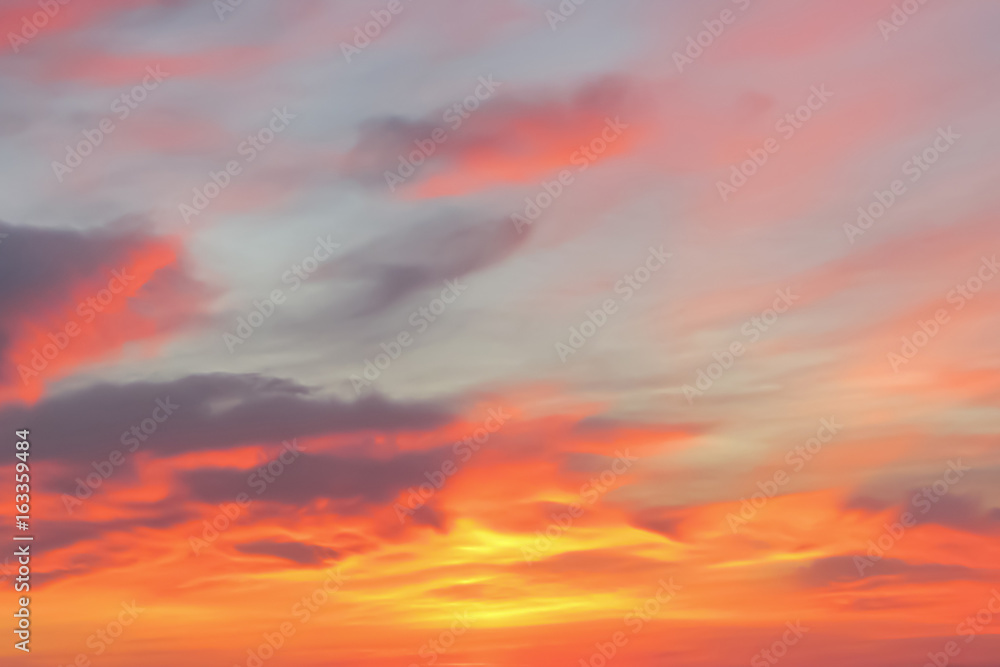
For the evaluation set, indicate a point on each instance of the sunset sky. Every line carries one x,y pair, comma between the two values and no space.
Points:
502,333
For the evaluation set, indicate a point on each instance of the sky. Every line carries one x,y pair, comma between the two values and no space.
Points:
506,333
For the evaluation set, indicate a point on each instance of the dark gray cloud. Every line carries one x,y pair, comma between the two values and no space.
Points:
52,535
844,569
43,269
297,552
962,512
213,411
508,125
663,525
355,480
457,244
422,257
38,264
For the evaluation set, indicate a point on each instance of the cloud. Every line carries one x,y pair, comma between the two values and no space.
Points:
964,513
53,535
75,296
510,138
40,263
601,567
297,552
213,412
395,267
660,522
353,479
844,570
